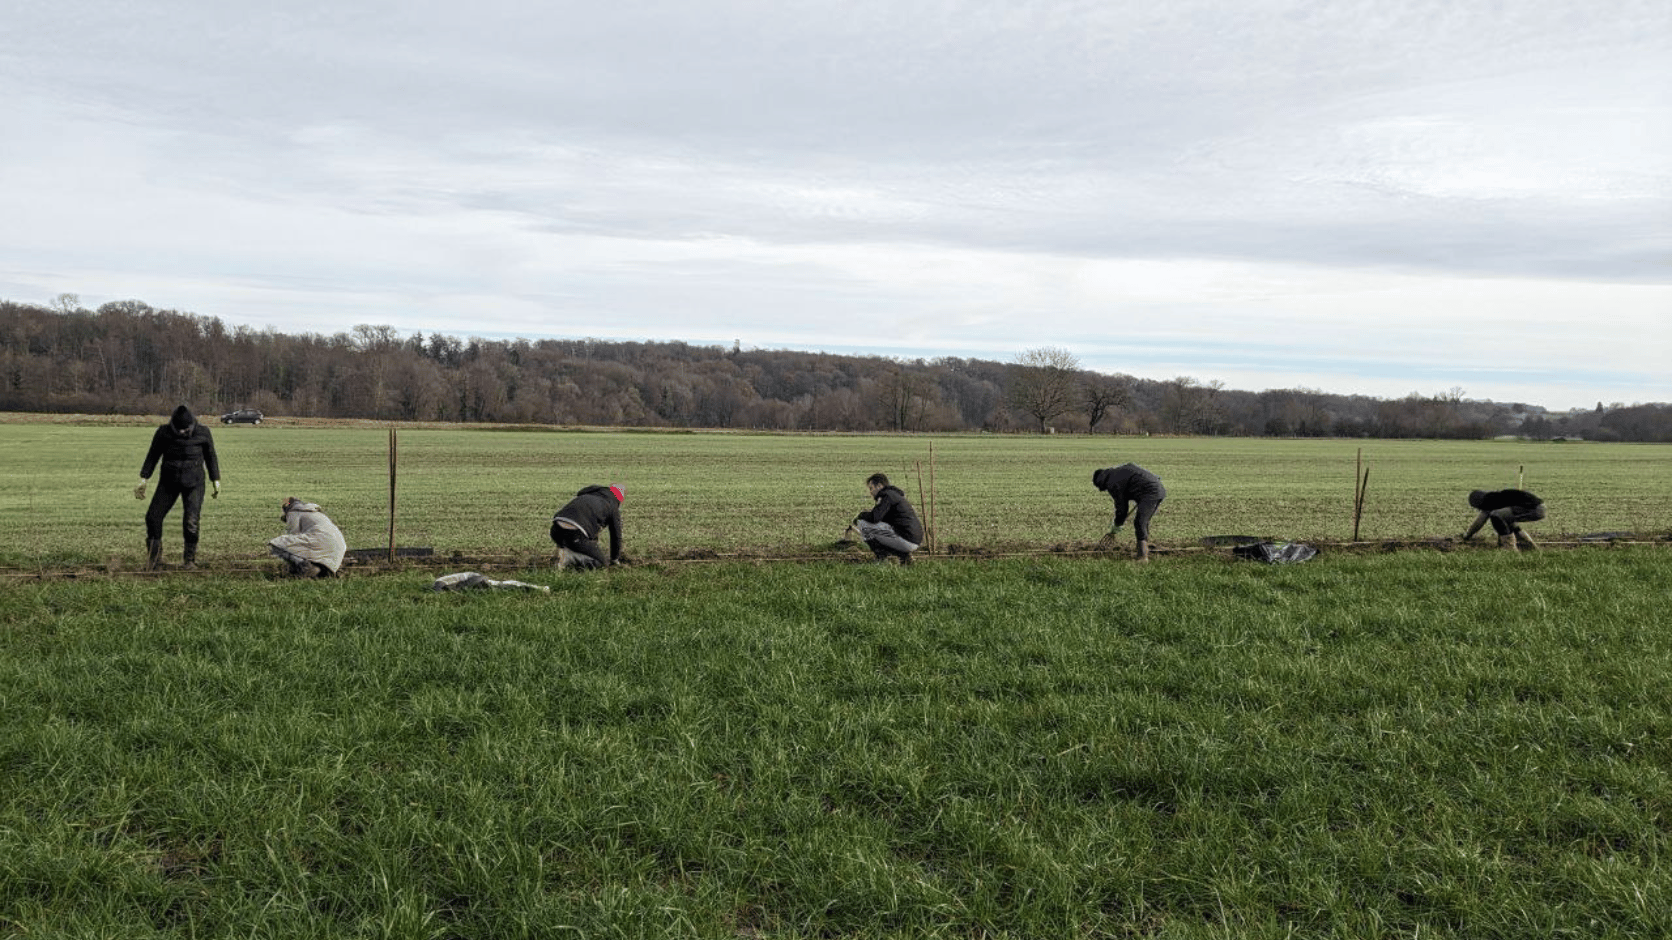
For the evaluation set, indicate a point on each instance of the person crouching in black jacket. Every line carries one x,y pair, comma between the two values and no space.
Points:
1506,510
576,527
890,528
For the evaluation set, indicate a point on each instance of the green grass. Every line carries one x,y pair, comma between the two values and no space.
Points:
1466,745
66,493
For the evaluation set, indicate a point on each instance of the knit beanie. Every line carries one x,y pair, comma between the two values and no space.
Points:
183,419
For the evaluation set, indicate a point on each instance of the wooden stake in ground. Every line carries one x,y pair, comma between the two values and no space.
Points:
917,466
1361,482
392,465
1521,477
932,497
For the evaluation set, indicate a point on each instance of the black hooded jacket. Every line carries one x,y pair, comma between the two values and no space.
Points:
1128,483
594,508
1489,501
183,455
891,507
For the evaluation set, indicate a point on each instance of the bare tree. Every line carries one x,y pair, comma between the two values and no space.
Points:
1190,407
900,398
1104,395
1043,384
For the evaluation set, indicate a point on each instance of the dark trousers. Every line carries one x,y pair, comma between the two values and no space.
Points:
578,543
1147,505
163,500
1508,519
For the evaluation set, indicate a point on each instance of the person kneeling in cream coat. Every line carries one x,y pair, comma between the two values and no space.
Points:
312,545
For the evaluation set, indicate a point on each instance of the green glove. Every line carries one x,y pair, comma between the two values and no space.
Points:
217,493
139,491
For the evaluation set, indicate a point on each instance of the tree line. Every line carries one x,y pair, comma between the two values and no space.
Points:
127,357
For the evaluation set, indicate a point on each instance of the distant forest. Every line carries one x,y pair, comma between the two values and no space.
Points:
127,357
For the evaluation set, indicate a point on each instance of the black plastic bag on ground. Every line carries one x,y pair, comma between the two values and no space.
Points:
1275,553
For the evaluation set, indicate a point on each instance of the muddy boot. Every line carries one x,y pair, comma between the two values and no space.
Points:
188,558
153,554
1143,550
1508,541
1525,540
905,557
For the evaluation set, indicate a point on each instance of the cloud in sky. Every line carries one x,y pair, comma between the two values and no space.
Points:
1354,196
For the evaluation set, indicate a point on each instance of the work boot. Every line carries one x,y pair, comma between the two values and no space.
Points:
1526,540
1143,550
1508,541
188,558
153,554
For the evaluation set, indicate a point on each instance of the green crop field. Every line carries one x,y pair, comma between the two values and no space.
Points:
1034,743
66,497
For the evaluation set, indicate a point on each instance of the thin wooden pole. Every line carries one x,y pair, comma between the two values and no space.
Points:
933,541
1521,477
1361,482
393,462
1358,472
917,466
1364,485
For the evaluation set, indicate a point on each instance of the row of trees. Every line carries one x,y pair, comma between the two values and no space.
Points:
127,357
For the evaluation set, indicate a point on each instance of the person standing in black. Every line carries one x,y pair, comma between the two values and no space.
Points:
1506,510
185,447
576,527
1130,483
890,527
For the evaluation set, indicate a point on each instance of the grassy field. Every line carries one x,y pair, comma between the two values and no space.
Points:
1468,744
67,496
1474,745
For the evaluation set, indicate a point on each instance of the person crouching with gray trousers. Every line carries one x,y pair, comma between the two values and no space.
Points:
890,527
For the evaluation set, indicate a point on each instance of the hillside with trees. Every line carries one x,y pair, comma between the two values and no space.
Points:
127,357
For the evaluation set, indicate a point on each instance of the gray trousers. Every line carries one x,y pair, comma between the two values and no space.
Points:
1507,520
881,533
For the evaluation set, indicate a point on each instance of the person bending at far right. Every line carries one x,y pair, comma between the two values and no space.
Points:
1127,484
577,526
1506,510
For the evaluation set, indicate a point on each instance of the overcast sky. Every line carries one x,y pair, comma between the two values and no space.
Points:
1368,196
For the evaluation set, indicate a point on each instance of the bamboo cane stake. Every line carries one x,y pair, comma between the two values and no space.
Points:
392,469
1361,482
917,466
933,539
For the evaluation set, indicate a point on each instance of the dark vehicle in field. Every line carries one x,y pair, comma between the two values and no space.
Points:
242,416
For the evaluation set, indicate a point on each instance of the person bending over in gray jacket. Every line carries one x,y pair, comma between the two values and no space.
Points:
576,527
890,527
311,545
1126,484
